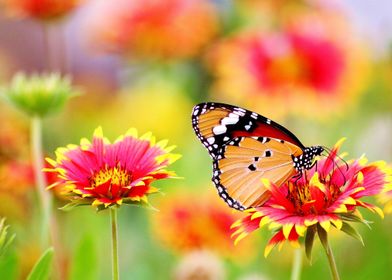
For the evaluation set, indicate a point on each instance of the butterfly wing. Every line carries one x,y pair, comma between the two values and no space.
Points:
245,147
244,161
216,124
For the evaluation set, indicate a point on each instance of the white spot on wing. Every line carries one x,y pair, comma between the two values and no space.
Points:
220,129
211,140
230,119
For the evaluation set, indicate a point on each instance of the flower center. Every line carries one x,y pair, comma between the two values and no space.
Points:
312,197
115,175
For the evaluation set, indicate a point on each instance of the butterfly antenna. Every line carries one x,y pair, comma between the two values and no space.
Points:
337,166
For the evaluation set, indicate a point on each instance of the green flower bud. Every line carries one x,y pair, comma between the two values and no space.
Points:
39,95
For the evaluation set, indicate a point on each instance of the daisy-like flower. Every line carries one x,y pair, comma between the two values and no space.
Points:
106,174
325,197
170,29
301,63
204,225
40,9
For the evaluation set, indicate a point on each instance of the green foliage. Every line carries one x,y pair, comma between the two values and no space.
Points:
84,261
41,269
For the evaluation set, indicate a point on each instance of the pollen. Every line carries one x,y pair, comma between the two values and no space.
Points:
116,175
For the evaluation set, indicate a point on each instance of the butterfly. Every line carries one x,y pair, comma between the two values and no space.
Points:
246,147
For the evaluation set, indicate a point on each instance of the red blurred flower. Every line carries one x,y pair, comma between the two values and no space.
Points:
105,174
203,224
301,68
327,196
156,29
41,9
16,179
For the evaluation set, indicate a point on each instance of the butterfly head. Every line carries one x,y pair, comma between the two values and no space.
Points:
307,159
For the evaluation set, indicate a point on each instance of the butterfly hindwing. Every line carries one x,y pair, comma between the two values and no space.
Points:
216,124
242,163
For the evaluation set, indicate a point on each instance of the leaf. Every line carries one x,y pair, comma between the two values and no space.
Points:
323,236
85,260
347,228
72,205
309,240
350,217
9,266
41,269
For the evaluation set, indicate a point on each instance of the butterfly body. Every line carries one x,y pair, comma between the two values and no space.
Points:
246,147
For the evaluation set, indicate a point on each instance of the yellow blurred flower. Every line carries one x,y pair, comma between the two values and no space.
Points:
305,67
167,29
186,223
40,9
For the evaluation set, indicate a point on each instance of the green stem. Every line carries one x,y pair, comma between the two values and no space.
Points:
297,265
331,261
44,197
113,216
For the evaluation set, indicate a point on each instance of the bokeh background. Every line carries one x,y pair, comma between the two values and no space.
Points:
321,68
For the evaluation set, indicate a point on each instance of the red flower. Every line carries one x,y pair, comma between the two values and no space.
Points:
41,9
294,69
156,29
105,174
204,224
328,196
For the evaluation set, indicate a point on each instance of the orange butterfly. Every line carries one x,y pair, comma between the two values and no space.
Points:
246,147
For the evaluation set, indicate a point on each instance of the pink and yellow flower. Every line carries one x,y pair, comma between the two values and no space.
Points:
105,174
171,29
204,224
303,67
325,197
40,9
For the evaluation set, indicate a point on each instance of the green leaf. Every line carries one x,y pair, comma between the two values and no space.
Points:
84,265
347,228
9,266
309,240
350,217
72,205
323,236
41,269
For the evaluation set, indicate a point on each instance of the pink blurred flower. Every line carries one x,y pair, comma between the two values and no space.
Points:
156,29
304,68
323,198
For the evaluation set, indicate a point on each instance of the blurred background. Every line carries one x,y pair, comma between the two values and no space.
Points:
321,68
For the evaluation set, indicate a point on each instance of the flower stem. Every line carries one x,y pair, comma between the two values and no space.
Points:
113,216
297,265
44,197
331,261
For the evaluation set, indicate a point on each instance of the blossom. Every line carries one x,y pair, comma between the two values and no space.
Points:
300,67
41,9
106,174
16,182
39,95
204,224
157,29
327,196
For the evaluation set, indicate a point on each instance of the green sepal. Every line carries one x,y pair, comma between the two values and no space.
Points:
347,228
309,240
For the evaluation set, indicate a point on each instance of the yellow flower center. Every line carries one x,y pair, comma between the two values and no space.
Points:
116,175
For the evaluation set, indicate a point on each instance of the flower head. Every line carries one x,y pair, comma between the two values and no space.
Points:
41,9
39,94
105,174
204,225
325,197
287,68
157,29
